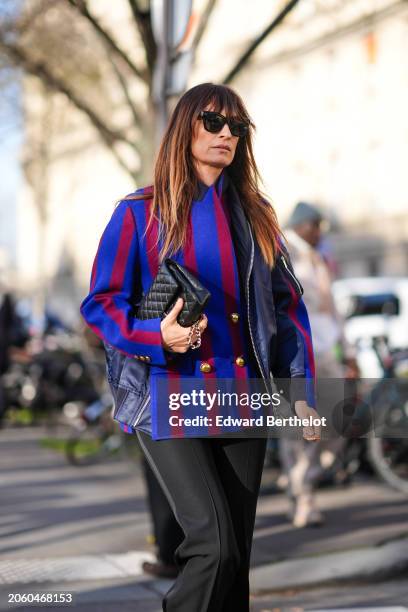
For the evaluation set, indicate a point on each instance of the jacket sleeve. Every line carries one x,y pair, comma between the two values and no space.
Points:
107,309
294,358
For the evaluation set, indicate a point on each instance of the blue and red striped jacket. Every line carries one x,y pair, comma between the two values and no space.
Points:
124,268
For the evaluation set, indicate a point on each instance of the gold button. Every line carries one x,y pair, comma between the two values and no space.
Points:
240,361
205,367
147,358
141,357
234,317
136,357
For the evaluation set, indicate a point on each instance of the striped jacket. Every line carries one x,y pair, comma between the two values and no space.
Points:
124,268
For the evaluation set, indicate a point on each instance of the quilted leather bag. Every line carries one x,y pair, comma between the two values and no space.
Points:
173,281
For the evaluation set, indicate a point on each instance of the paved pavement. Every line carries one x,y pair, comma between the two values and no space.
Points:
128,596
85,529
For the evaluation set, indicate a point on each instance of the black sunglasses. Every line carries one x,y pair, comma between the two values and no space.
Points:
214,122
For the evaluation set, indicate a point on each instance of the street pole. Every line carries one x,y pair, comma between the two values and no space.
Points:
170,19
164,66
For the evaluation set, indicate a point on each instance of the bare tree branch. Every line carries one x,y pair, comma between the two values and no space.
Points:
131,171
27,18
361,23
40,70
258,40
202,26
144,25
82,7
122,82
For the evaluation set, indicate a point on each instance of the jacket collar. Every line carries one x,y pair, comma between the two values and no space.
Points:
240,229
220,185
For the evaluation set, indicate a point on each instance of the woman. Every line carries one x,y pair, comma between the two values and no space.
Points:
205,210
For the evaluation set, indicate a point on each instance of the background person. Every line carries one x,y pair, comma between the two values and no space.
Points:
334,358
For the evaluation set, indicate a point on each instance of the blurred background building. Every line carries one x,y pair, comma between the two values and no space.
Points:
328,92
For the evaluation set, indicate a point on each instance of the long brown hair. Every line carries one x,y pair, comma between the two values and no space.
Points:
176,182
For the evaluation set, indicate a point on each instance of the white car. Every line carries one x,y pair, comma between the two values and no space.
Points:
376,306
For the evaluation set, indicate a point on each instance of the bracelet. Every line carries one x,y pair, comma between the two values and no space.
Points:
194,329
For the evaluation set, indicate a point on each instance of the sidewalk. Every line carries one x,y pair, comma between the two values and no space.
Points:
84,531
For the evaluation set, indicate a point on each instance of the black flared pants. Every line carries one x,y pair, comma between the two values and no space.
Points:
212,485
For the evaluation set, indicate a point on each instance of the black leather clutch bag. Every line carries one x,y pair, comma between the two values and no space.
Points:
173,281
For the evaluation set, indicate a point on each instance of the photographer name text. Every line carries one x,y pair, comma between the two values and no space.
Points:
259,421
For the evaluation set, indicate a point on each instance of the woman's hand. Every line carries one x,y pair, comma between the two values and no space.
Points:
303,411
174,336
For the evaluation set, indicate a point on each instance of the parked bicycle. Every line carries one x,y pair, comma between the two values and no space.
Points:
94,435
374,421
377,427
